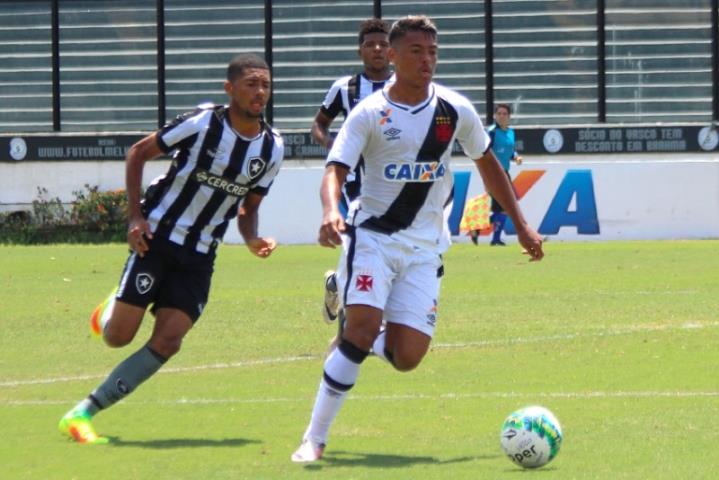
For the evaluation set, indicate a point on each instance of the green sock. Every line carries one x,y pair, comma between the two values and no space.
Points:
126,377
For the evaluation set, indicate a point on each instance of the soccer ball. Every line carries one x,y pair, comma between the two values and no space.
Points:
531,437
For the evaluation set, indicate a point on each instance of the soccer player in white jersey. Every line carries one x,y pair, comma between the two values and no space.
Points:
342,97
226,159
393,237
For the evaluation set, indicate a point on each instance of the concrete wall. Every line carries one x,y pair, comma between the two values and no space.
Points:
648,196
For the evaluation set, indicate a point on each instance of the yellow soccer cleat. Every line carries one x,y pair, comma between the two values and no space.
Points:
78,427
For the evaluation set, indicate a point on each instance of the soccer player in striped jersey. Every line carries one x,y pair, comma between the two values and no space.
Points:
342,97
393,237
226,158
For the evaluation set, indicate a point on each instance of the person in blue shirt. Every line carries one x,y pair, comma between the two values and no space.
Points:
503,146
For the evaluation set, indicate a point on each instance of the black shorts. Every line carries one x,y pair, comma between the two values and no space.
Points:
168,276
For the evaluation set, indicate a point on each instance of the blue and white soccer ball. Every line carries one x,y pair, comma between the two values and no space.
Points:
531,437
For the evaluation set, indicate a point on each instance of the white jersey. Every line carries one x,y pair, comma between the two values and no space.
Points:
408,183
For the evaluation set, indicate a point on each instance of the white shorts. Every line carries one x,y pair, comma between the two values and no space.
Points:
399,279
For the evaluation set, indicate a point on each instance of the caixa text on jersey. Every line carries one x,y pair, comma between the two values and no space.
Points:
414,172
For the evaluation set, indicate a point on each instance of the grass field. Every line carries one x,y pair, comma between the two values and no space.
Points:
620,340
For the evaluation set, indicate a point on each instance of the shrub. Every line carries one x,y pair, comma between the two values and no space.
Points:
98,211
93,217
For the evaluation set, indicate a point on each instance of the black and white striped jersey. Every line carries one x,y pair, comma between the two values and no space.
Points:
342,97
212,170
347,92
407,183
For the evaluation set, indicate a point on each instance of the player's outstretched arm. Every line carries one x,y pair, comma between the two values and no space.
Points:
497,183
247,220
332,222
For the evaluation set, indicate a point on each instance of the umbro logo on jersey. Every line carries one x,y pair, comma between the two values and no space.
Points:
213,152
219,183
392,133
414,172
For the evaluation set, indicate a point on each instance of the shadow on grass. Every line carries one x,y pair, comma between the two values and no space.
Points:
356,459
169,443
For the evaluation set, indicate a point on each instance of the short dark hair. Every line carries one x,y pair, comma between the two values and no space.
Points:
242,61
504,106
372,25
412,23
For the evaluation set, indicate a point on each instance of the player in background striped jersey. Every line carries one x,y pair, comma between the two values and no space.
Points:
395,233
342,97
226,158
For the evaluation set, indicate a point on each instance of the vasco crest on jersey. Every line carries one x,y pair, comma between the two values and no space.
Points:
364,282
443,129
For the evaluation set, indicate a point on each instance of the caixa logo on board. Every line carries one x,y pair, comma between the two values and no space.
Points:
414,172
573,205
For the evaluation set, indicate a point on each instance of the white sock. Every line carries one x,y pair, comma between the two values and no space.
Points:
107,312
340,374
379,343
107,309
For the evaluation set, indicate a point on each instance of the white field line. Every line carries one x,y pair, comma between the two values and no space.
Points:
196,368
390,398
438,346
571,336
